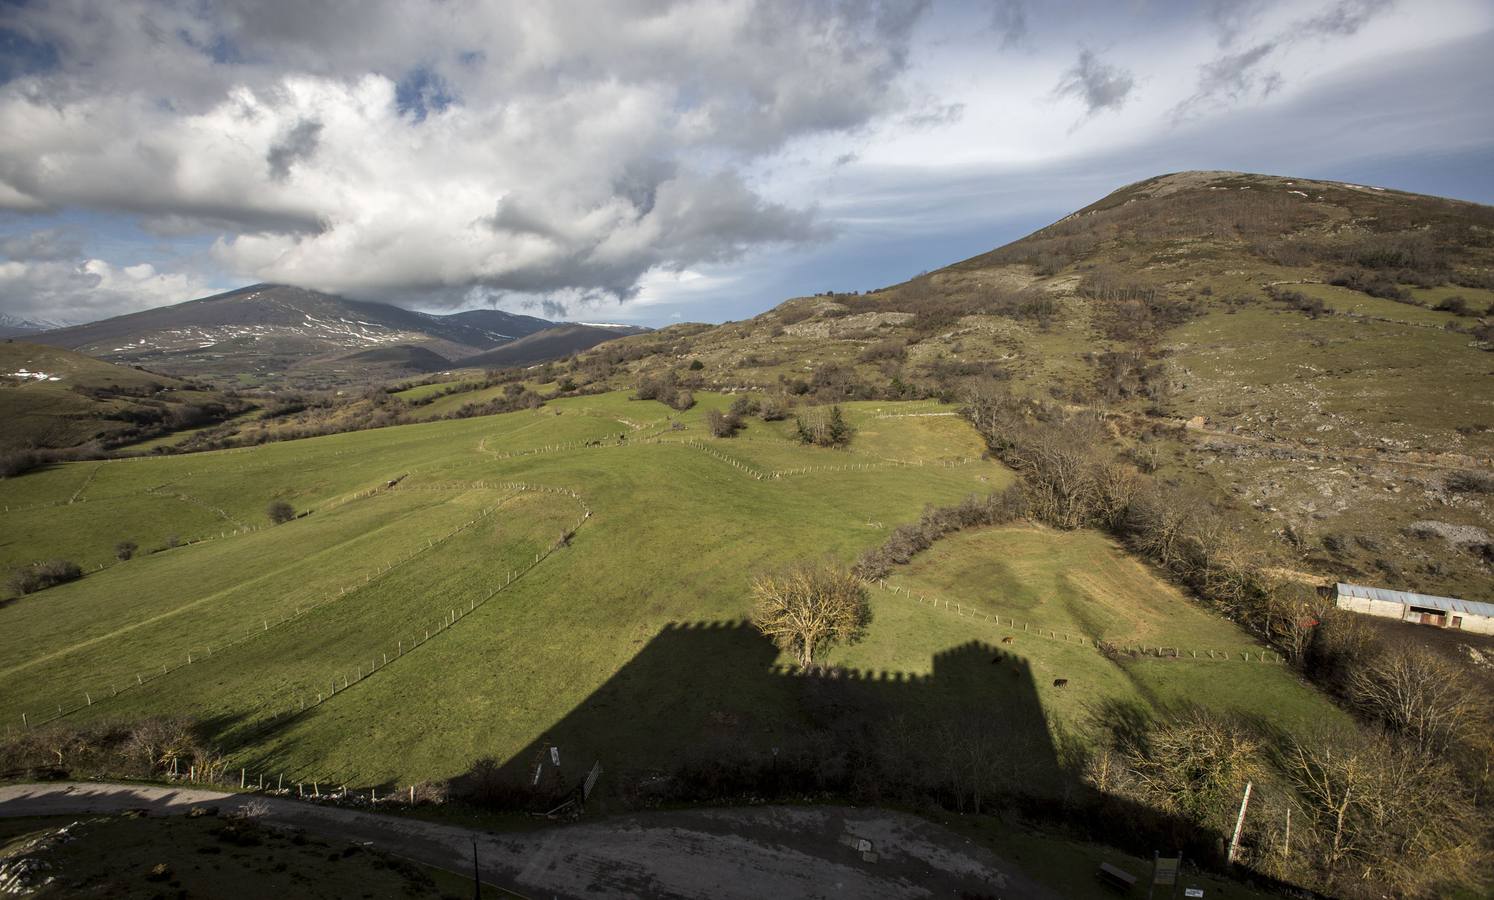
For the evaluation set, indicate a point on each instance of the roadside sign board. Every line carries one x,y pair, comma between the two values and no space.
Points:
1166,871
1193,892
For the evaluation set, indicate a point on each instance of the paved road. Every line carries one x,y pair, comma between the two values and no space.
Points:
751,852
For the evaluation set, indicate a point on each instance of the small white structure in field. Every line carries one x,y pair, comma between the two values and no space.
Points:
1421,609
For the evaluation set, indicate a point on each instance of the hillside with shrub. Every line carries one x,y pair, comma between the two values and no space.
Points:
1312,356
60,404
1030,544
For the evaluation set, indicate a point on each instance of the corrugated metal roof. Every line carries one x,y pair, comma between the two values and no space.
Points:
1451,604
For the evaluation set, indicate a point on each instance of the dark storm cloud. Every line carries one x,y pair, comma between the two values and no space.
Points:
1095,84
47,244
298,144
1343,18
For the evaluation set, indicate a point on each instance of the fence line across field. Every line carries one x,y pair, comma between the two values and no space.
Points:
516,488
383,658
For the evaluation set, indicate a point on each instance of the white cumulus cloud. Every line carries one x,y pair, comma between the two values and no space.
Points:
418,148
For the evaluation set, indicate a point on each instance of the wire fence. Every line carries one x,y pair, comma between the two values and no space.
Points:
96,695
326,791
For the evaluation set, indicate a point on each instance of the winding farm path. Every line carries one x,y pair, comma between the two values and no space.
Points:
749,852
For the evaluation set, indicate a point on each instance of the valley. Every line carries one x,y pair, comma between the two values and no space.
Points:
1089,517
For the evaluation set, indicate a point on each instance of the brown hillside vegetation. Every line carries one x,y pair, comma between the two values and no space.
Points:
1326,345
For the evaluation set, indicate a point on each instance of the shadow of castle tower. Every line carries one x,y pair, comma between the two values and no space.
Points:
704,707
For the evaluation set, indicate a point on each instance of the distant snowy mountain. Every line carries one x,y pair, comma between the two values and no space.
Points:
14,326
267,328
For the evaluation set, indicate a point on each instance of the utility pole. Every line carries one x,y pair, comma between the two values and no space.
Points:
1234,842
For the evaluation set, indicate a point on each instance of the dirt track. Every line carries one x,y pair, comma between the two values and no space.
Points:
752,852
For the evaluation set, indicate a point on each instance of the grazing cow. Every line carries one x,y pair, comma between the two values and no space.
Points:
1060,682
1007,639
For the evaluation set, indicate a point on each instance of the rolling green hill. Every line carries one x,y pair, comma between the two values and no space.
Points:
467,601
54,398
274,617
1327,345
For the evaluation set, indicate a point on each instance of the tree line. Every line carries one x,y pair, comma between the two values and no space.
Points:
1402,804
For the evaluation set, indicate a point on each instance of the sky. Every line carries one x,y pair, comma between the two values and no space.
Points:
650,161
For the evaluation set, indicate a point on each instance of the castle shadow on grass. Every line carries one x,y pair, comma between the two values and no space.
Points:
704,713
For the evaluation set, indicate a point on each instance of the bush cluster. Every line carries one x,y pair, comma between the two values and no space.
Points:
907,541
1312,306
666,389
1470,482
111,750
1375,284
38,577
824,429
723,425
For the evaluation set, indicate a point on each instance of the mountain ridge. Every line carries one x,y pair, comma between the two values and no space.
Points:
1313,354
267,329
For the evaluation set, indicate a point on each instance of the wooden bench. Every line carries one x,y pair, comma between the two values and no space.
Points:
1112,877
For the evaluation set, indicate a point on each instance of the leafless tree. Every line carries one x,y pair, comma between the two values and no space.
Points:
1060,469
1417,694
1383,816
1292,614
810,606
1194,763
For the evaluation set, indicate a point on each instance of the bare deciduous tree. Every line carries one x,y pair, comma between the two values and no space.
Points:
1194,764
810,606
1060,469
1383,816
1293,613
1116,486
1417,694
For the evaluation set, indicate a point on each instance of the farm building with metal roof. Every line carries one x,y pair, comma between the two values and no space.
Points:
1421,609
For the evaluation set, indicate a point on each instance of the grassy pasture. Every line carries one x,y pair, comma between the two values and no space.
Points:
1343,300
674,534
1348,382
421,391
1082,584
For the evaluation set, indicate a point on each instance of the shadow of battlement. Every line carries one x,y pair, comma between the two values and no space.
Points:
704,709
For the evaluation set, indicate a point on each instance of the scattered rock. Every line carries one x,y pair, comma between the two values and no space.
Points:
1457,535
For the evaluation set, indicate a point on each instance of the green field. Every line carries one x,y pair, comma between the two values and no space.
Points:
393,634
1054,594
